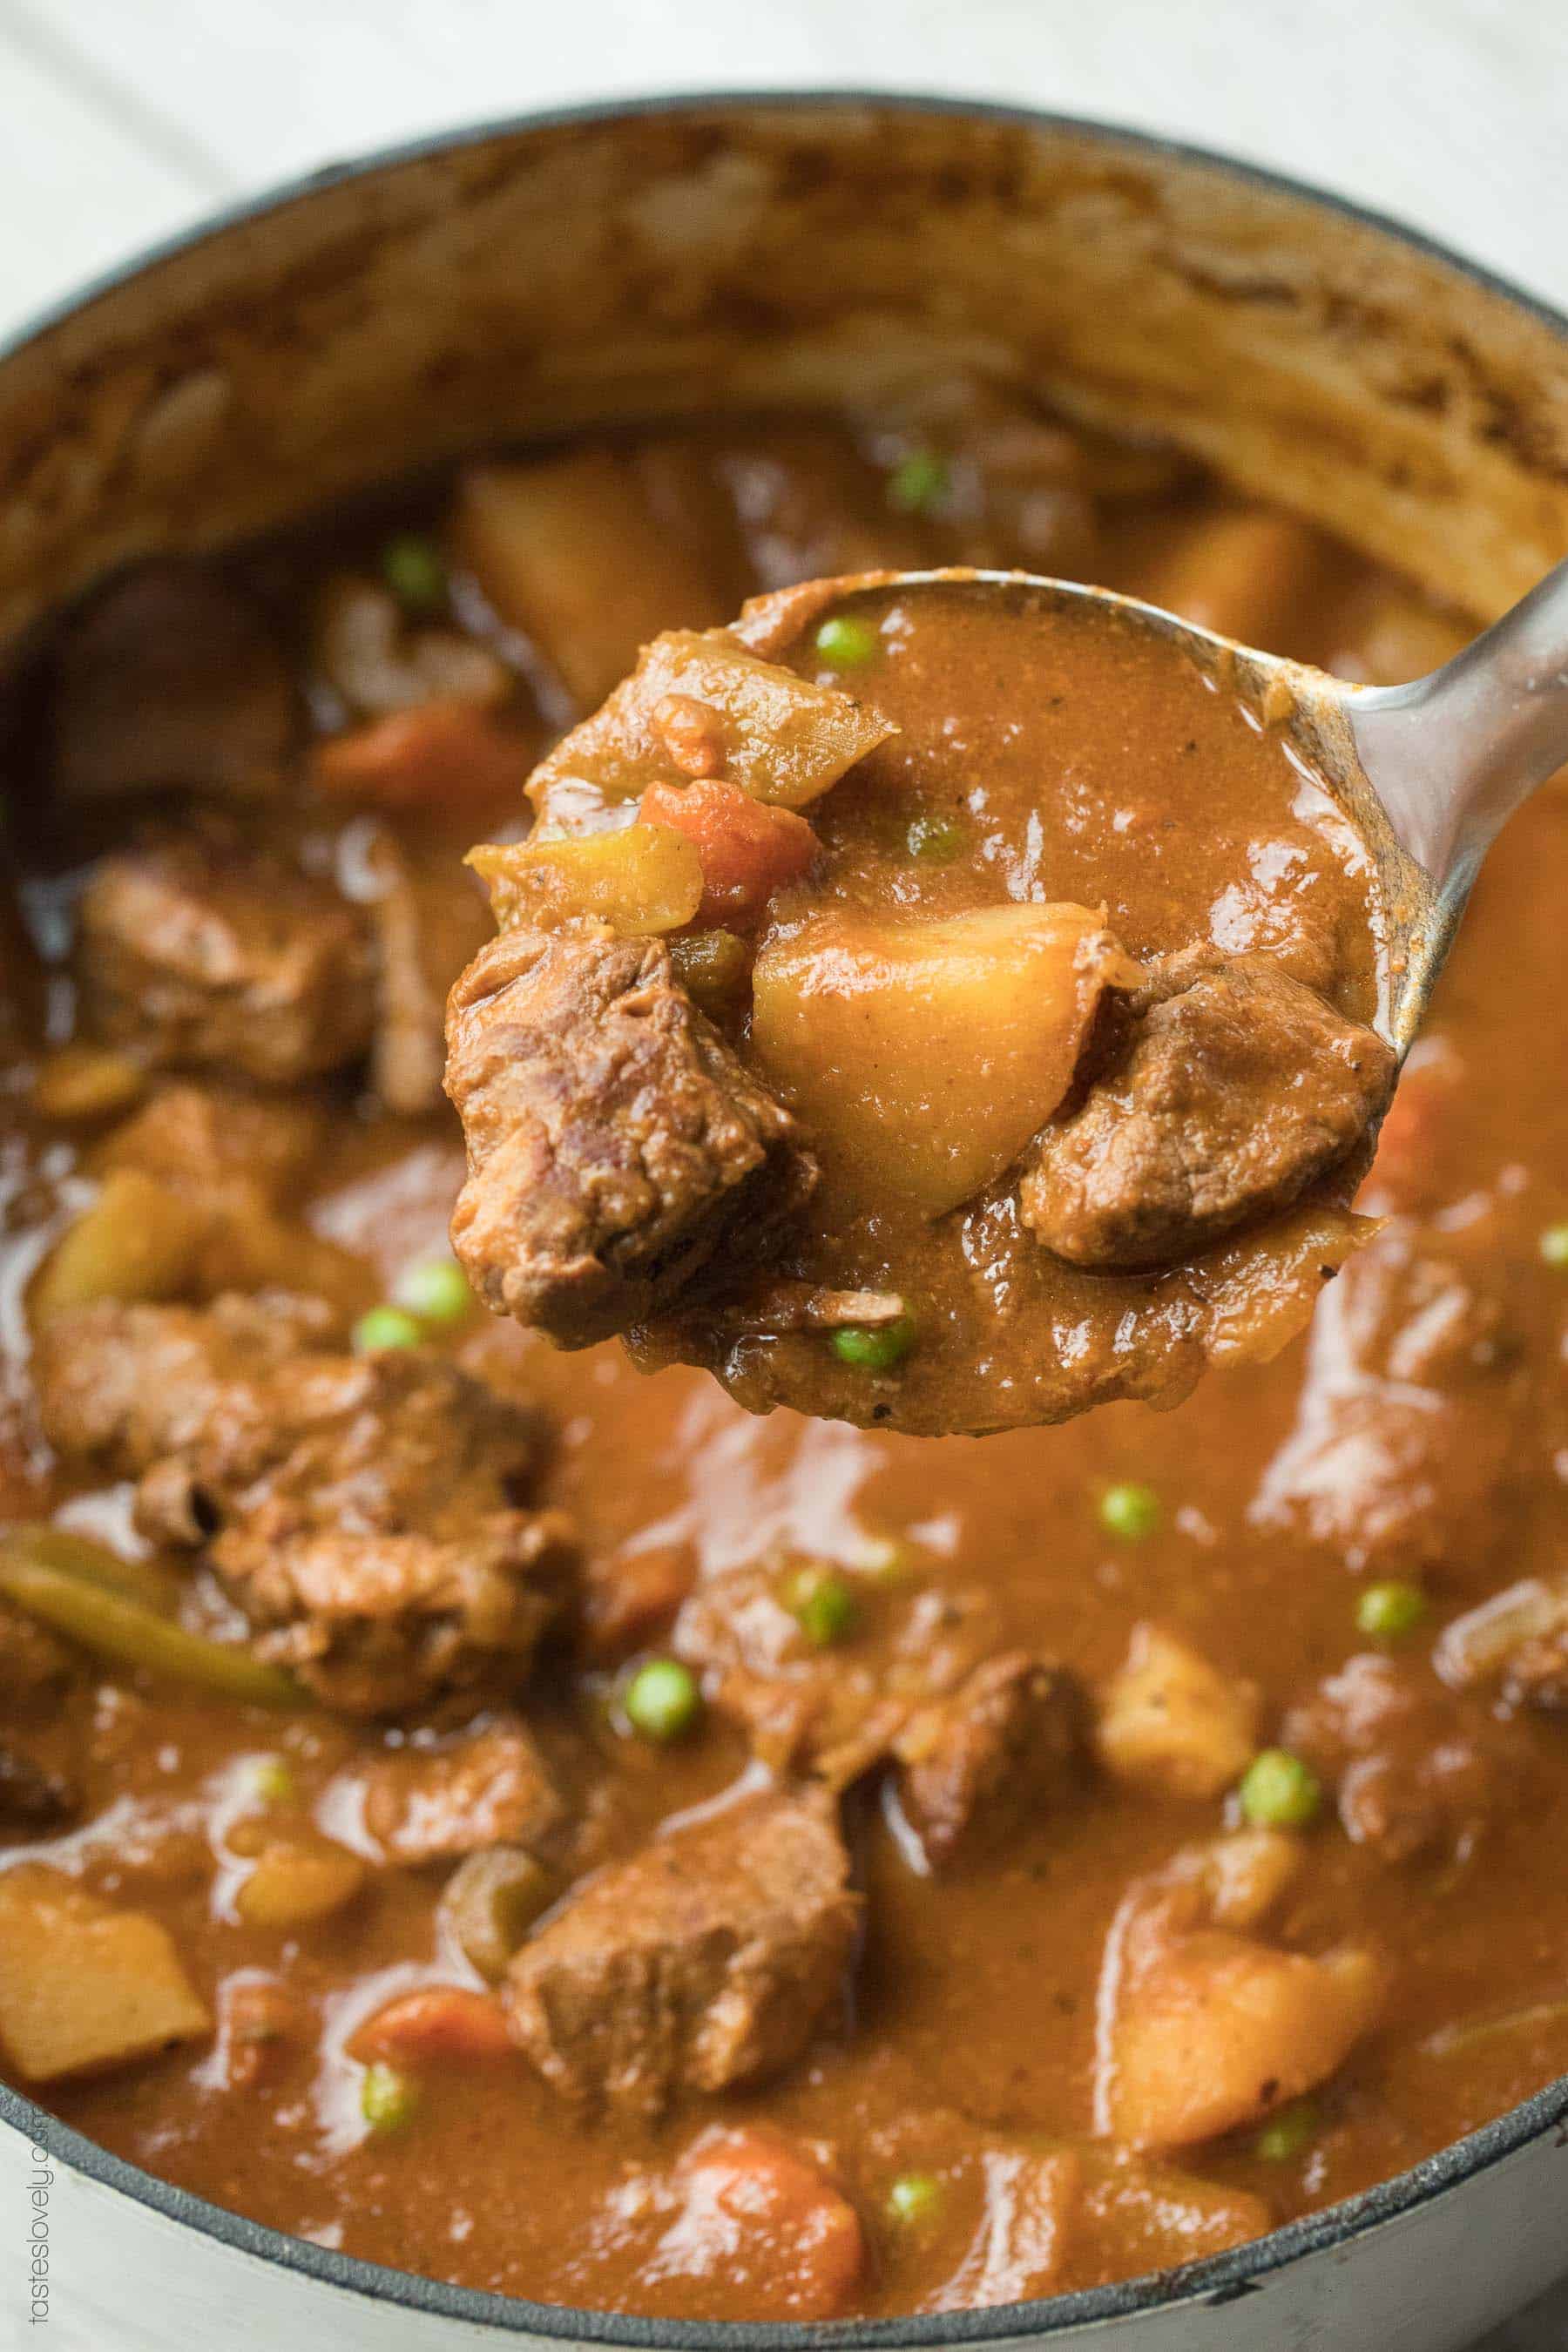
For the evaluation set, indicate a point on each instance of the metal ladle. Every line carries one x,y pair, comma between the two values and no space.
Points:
1429,773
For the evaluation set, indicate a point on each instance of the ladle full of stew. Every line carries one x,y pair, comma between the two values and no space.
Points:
954,1000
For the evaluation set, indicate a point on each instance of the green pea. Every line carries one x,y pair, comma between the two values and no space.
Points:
1287,2135
920,484
662,1700
1555,1245
412,568
1131,1511
874,1351
1278,1791
435,1290
914,2199
385,1326
387,2100
845,643
270,1780
936,840
823,1604
1388,1611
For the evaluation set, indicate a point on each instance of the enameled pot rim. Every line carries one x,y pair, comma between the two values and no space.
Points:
1221,2278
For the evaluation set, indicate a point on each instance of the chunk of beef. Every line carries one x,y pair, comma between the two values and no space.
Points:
170,678
207,1136
202,949
708,1960
130,1386
427,919
378,1623
364,1511
487,1788
615,1144
1401,1456
1516,1644
1230,1099
1417,1772
832,1713
999,1751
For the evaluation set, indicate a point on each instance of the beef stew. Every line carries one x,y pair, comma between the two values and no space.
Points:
538,1825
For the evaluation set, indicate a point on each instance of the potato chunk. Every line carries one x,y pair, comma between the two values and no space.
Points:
83,1985
923,1055
1227,2030
570,553
1203,2029
645,878
701,704
1170,1723
137,1241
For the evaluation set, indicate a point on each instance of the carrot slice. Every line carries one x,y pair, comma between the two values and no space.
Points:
443,754
438,2024
772,2216
748,849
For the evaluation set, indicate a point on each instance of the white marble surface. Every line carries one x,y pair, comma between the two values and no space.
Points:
126,119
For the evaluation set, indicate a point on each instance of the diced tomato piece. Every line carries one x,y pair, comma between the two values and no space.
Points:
768,2217
439,755
438,2024
748,849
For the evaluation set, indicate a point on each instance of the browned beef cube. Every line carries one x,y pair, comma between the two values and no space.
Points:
615,1144
1404,1455
205,949
381,1622
1516,1642
1417,1771
208,1138
366,1512
491,1787
170,678
709,1959
997,1752
1231,1098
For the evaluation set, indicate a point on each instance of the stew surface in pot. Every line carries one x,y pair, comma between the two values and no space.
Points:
518,1820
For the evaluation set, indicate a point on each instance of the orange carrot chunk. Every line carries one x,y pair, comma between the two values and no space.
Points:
439,755
772,2219
748,849
440,2024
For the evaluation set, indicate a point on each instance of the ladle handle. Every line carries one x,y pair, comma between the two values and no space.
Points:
1453,755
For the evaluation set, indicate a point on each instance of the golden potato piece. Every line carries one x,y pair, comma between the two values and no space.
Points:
297,1878
82,1985
1171,1724
86,1082
646,877
1218,2030
922,1056
570,553
137,1241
